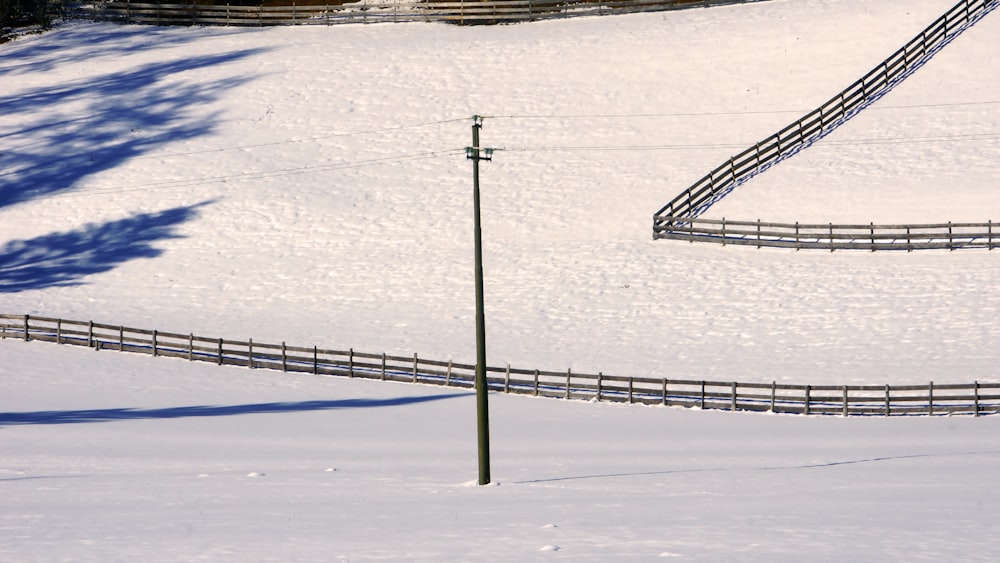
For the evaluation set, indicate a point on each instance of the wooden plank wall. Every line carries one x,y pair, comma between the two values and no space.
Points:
975,398
676,220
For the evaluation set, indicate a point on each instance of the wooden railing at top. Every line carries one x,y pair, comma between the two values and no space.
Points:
844,400
369,11
675,220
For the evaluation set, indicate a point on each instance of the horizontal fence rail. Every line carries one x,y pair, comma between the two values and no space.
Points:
370,11
676,219
832,236
844,400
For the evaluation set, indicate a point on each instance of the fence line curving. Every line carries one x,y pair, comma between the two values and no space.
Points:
678,218
974,399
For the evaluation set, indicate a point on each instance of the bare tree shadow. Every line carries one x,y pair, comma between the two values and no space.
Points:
66,44
109,415
63,259
57,135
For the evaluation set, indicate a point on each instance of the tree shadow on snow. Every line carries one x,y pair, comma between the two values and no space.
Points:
63,259
66,132
74,43
109,415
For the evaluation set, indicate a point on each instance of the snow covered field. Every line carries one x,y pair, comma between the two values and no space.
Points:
309,185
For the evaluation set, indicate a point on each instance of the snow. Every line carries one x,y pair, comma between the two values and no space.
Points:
309,185
134,457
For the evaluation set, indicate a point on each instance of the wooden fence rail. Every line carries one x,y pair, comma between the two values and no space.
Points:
844,400
367,11
675,219
831,236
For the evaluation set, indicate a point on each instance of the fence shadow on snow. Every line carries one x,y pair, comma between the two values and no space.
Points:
109,415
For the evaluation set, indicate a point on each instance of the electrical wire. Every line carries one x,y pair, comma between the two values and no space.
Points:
721,113
264,174
842,142
305,139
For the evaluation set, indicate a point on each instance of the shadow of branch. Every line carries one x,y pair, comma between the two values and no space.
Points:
67,132
64,259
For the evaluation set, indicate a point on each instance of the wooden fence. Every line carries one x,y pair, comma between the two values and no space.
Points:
369,11
832,237
675,220
843,400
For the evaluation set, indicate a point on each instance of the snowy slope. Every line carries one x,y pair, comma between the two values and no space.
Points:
309,186
241,159
111,456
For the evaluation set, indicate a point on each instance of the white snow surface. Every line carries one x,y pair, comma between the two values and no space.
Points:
309,185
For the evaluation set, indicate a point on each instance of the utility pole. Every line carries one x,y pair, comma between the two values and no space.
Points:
475,154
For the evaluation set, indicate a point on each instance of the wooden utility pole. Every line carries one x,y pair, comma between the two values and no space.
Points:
475,154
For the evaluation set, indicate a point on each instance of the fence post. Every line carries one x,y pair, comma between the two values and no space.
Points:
872,228
415,369
846,402
664,391
350,362
156,351
536,383
315,361
631,388
989,234
703,395
220,351
191,347
732,405
951,241
284,356
90,334
930,399
976,395
888,400
774,391
383,366
250,353
506,380
723,231
447,377
808,400
831,237
569,375
758,232
600,376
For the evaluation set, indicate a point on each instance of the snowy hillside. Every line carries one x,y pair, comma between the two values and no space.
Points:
309,185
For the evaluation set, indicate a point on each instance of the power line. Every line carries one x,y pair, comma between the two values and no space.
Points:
306,139
721,113
708,146
192,182
285,141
